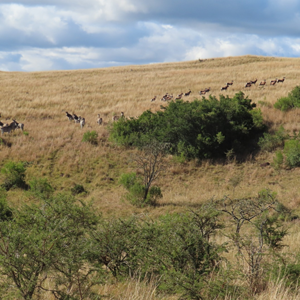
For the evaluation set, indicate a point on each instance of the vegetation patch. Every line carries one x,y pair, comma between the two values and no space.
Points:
206,128
289,102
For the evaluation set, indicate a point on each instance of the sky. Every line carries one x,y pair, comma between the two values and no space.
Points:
80,34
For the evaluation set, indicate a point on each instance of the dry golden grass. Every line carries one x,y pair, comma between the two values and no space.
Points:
54,146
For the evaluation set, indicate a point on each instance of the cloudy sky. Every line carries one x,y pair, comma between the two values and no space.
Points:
79,34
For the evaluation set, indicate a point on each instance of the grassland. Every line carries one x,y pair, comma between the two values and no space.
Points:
55,150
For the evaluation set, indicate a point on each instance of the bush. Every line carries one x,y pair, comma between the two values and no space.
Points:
269,142
292,153
136,191
14,175
77,189
41,188
90,137
206,128
289,102
278,160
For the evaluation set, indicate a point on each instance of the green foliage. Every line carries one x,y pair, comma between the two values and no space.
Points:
51,238
284,104
5,211
204,128
14,173
26,133
136,191
292,153
41,188
289,102
278,160
269,142
77,189
90,137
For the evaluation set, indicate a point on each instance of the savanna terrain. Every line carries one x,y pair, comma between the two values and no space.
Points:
53,147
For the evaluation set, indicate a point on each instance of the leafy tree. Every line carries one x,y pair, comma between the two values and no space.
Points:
204,128
47,239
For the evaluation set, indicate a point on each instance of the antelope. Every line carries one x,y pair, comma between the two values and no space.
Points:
8,128
153,99
248,84
188,93
207,90
273,82
116,118
253,82
75,118
82,122
202,92
281,80
78,119
19,125
99,120
263,82
224,88
69,116
179,96
230,83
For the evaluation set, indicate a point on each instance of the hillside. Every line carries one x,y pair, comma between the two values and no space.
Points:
53,147
53,144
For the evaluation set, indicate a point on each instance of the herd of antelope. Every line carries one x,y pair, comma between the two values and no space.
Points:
76,119
81,121
7,128
223,88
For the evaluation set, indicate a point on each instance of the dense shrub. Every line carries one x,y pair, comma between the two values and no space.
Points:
204,128
90,137
289,102
41,188
292,153
14,173
136,191
269,141
77,189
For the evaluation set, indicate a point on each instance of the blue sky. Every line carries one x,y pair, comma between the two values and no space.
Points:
77,34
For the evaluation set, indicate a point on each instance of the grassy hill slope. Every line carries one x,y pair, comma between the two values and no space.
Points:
55,149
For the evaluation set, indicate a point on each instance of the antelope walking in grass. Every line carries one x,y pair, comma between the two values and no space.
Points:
99,120
253,82
230,83
69,116
281,80
188,93
19,125
82,122
263,83
273,82
224,88
153,99
8,128
116,118
248,84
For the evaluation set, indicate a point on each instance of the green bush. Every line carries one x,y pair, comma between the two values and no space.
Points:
292,153
206,128
136,191
77,189
289,102
90,137
14,173
41,188
269,141
278,160
5,211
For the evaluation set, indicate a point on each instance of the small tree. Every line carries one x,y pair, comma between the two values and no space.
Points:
151,162
266,233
